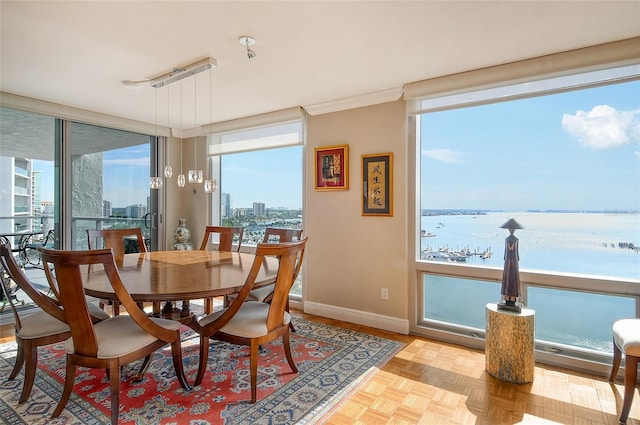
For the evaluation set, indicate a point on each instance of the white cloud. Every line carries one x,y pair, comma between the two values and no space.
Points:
603,127
445,155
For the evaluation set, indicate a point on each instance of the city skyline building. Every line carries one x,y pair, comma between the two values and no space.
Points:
225,205
16,199
259,209
106,209
36,192
136,211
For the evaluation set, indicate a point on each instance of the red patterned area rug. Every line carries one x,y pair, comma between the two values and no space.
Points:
331,363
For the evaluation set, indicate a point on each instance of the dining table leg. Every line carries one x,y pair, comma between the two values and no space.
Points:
185,309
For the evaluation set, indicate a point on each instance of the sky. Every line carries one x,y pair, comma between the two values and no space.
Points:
575,150
273,177
270,177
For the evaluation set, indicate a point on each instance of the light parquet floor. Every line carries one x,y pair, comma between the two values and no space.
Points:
434,383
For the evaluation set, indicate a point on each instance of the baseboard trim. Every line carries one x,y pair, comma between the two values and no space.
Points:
378,321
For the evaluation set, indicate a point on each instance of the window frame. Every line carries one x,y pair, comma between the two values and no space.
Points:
573,63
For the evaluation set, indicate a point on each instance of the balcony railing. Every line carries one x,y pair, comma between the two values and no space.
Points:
79,226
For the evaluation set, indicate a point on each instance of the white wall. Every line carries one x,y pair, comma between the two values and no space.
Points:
183,202
350,257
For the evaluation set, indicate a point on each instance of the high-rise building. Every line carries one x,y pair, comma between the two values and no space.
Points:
36,192
240,212
259,209
16,197
136,211
225,205
106,208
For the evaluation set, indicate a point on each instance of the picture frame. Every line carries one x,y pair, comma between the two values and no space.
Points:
332,167
377,184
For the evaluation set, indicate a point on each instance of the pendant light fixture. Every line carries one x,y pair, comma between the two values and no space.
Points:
181,180
155,182
210,185
168,169
195,175
178,74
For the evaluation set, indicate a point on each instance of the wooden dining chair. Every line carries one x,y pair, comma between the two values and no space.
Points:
115,239
225,243
113,342
227,233
275,235
34,327
626,339
253,323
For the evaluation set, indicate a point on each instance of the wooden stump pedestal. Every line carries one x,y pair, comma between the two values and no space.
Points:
509,344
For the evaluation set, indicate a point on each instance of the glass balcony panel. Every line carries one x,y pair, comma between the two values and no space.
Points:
458,301
578,319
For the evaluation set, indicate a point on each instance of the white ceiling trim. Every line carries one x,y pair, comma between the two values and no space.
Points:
56,110
375,98
593,58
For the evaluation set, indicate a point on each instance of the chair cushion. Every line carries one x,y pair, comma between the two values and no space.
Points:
97,312
37,323
121,335
259,294
249,322
626,335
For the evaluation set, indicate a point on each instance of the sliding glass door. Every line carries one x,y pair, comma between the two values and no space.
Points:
109,175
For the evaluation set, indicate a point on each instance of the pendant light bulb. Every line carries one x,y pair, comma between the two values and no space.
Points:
210,186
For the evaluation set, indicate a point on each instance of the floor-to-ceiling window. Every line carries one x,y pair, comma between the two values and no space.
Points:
67,176
109,181
27,149
260,177
561,157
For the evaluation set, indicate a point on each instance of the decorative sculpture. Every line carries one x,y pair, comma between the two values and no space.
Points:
511,274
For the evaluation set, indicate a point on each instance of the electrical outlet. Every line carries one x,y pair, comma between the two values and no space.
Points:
384,294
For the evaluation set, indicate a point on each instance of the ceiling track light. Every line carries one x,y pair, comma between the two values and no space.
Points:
247,41
184,72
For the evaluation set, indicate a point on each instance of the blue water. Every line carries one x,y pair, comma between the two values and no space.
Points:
557,242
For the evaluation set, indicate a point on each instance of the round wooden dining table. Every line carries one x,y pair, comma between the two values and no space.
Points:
167,276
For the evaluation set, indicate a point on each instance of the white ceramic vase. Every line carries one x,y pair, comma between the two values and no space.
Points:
181,236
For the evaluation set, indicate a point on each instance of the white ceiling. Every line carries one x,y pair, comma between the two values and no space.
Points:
309,53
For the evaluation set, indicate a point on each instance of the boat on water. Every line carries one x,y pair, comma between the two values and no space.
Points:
426,234
431,255
486,254
443,254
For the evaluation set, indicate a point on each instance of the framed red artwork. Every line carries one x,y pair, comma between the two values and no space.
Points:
332,167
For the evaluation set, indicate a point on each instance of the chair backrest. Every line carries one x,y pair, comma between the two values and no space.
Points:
290,256
278,235
68,267
15,273
226,237
114,238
